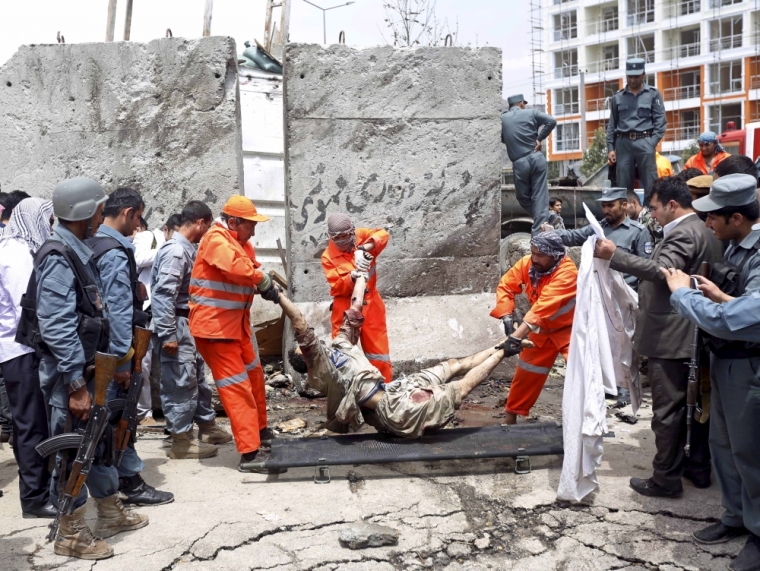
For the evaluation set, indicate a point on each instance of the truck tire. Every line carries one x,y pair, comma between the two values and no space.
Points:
510,251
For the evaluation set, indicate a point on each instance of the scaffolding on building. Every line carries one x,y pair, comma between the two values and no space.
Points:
537,53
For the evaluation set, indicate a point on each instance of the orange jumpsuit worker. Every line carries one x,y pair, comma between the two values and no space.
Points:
353,249
710,154
221,293
550,280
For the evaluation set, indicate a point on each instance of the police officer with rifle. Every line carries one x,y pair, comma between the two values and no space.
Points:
124,295
730,319
63,319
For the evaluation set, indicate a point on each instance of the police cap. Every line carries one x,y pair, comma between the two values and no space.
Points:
515,99
729,190
634,66
610,194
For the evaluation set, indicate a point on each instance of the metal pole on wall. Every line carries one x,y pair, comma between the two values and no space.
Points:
128,21
582,102
111,23
207,17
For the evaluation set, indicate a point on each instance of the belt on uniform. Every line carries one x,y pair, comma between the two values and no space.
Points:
525,155
633,135
182,312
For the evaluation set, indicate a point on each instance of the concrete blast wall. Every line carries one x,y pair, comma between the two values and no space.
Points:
404,139
162,117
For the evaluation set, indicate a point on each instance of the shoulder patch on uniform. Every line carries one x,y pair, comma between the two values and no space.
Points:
648,247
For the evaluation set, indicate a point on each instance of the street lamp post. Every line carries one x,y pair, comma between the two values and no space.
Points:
324,17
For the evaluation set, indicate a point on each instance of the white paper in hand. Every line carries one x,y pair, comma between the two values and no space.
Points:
594,224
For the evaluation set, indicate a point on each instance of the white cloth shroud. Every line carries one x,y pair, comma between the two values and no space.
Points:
601,357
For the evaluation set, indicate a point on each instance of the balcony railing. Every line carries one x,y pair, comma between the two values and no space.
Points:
566,33
682,51
648,56
726,43
604,65
638,18
754,82
683,92
566,108
597,104
682,8
565,71
564,145
732,86
602,26
682,133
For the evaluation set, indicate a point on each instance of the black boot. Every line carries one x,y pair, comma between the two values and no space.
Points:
748,558
139,493
45,511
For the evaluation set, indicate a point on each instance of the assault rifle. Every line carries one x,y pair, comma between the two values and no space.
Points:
127,426
86,441
693,410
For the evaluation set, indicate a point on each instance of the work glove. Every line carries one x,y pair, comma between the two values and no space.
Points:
508,327
363,259
272,294
265,285
512,346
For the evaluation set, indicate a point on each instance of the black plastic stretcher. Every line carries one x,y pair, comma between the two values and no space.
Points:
501,441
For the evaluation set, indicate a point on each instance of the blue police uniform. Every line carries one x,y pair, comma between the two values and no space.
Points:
734,367
636,126
113,267
629,235
58,322
520,129
185,394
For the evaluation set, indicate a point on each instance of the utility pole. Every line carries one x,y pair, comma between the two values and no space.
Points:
111,22
207,17
128,21
582,102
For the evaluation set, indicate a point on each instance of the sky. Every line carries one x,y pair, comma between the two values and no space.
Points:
499,23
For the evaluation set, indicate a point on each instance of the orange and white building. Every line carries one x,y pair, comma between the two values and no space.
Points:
702,55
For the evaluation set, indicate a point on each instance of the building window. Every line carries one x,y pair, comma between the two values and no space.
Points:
642,46
726,34
640,12
565,63
719,3
566,101
565,26
607,23
650,79
721,115
682,8
726,77
567,137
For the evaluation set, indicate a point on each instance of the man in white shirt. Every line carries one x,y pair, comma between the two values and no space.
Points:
28,228
146,245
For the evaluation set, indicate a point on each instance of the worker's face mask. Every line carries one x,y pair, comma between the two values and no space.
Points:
345,241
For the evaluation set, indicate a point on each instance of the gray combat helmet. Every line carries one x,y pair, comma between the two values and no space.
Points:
77,198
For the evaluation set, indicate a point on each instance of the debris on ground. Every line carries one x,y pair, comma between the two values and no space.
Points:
627,418
280,381
359,535
291,426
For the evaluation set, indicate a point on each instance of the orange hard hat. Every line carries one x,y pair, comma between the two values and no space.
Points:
242,207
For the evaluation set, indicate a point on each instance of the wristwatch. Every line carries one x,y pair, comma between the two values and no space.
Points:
76,385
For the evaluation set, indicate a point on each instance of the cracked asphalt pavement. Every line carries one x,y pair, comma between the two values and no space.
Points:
454,515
